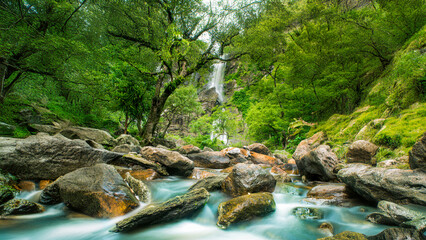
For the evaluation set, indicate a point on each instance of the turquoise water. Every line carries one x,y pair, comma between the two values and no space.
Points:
59,223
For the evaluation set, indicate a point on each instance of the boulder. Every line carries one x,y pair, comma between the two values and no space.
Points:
387,163
259,148
236,155
245,208
94,144
50,129
44,157
97,191
396,215
417,156
127,139
213,183
280,175
398,234
258,158
6,129
6,193
137,160
145,175
20,207
207,149
248,178
174,162
308,213
83,133
307,145
361,152
347,235
139,188
126,148
376,184
164,142
216,160
337,194
200,174
318,164
173,209
189,149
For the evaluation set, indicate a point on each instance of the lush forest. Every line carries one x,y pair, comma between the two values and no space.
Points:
293,67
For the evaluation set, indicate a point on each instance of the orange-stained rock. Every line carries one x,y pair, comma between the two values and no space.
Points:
227,170
200,174
147,174
291,161
188,149
232,150
264,159
26,186
43,184
281,174
259,148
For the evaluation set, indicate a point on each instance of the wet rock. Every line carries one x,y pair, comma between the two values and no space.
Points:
417,156
44,157
6,129
50,129
140,161
126,148
307,145
308,213
318,164
127,139
189,149
259,148
280,174
173,209
213,183
327,228
207,149
44,183
245,208
145,175
396,215
20,207
83,133
97,191
347,235
174,162
248,178
398,234
27,186
208,99
376,184
200,174
139,188
361,152
216,160
236,155
258,158
337,194
6,193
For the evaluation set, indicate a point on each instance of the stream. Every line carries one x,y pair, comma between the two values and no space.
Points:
57,222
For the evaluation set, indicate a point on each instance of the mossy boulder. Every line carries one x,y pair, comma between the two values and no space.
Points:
248,178
217,160
417,157
308,213
97,191
347,235
20,207
173,209
213,183
6,193
245,208
361,151
398,234
139,188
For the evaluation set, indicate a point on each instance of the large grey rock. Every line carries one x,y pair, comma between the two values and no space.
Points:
318,164
398,234
83,133
376,184
259,148
361,152
97,191
44,157
173,209
245,208
307,145
133,159
6,129
189,149
174,162
212,183
417,157
248,178
338,194
126,148
127,139
50,129
217,160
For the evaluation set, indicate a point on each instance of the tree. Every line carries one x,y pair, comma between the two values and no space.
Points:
171,31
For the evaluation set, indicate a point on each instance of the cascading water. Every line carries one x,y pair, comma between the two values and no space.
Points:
216,80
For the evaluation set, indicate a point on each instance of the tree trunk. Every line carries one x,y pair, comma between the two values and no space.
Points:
126,123
3,70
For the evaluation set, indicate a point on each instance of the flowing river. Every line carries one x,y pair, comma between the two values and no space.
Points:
59,223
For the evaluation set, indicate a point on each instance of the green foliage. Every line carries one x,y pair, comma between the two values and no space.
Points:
384,154
241,99
21,132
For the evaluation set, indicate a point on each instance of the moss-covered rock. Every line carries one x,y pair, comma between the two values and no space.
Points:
244,208
308,213
139,188
6,193
347,235
213,183
20,207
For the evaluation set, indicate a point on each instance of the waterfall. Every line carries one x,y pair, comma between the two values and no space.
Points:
217,77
